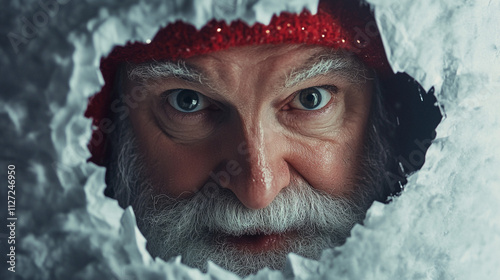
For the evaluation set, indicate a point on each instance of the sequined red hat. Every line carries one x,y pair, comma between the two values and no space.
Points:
338,24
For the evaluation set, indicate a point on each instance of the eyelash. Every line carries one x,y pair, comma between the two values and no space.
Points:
331,88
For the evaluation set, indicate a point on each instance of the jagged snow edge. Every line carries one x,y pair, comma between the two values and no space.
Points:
115,27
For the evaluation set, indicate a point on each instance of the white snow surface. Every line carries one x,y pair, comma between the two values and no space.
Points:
445,225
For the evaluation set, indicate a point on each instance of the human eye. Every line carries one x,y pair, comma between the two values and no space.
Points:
313,98
187,100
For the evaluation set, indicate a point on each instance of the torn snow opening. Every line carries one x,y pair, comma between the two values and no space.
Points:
444,226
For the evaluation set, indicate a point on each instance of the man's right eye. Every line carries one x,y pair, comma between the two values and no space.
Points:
187,101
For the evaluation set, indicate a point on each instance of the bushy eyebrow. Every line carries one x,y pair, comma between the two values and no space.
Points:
165,69
342,64
329,62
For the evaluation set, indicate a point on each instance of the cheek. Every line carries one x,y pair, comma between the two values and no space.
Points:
332,165
329,166
174,169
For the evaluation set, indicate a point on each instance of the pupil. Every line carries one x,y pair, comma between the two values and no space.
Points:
187,100
310,98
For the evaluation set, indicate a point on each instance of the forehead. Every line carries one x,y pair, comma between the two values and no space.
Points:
268,67
286,65
272,60
278,55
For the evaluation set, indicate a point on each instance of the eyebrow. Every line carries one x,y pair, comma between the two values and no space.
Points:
166,69
329,62
323,63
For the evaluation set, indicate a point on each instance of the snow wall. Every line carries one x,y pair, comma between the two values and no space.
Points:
445,225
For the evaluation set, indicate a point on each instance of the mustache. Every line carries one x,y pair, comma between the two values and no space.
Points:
196,227
298,207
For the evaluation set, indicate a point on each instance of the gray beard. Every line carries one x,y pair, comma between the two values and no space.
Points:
195,228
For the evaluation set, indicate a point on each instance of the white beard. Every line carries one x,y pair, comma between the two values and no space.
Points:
195,228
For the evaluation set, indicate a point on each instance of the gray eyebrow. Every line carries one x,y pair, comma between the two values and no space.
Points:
328,62
165,69
344,65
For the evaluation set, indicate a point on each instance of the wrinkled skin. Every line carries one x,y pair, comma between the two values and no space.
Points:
254,137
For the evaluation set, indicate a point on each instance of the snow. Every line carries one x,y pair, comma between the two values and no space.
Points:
445,225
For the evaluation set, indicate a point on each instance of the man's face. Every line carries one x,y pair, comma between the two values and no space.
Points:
229,145
253,116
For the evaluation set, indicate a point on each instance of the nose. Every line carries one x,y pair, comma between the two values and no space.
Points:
260,153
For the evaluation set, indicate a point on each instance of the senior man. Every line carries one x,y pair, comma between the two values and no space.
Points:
239,144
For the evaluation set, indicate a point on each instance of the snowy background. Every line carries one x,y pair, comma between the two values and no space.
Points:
445,225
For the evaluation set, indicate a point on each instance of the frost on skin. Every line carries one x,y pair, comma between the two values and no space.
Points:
444,226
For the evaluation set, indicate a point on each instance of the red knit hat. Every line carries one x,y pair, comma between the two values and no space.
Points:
338,24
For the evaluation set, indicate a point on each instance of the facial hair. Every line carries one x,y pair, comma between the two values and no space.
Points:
197,228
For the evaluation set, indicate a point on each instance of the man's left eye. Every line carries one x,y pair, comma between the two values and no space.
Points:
313,98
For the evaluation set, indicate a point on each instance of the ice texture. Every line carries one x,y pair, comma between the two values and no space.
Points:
445,225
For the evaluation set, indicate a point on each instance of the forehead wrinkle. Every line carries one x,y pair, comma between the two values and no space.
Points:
229,74
328,62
